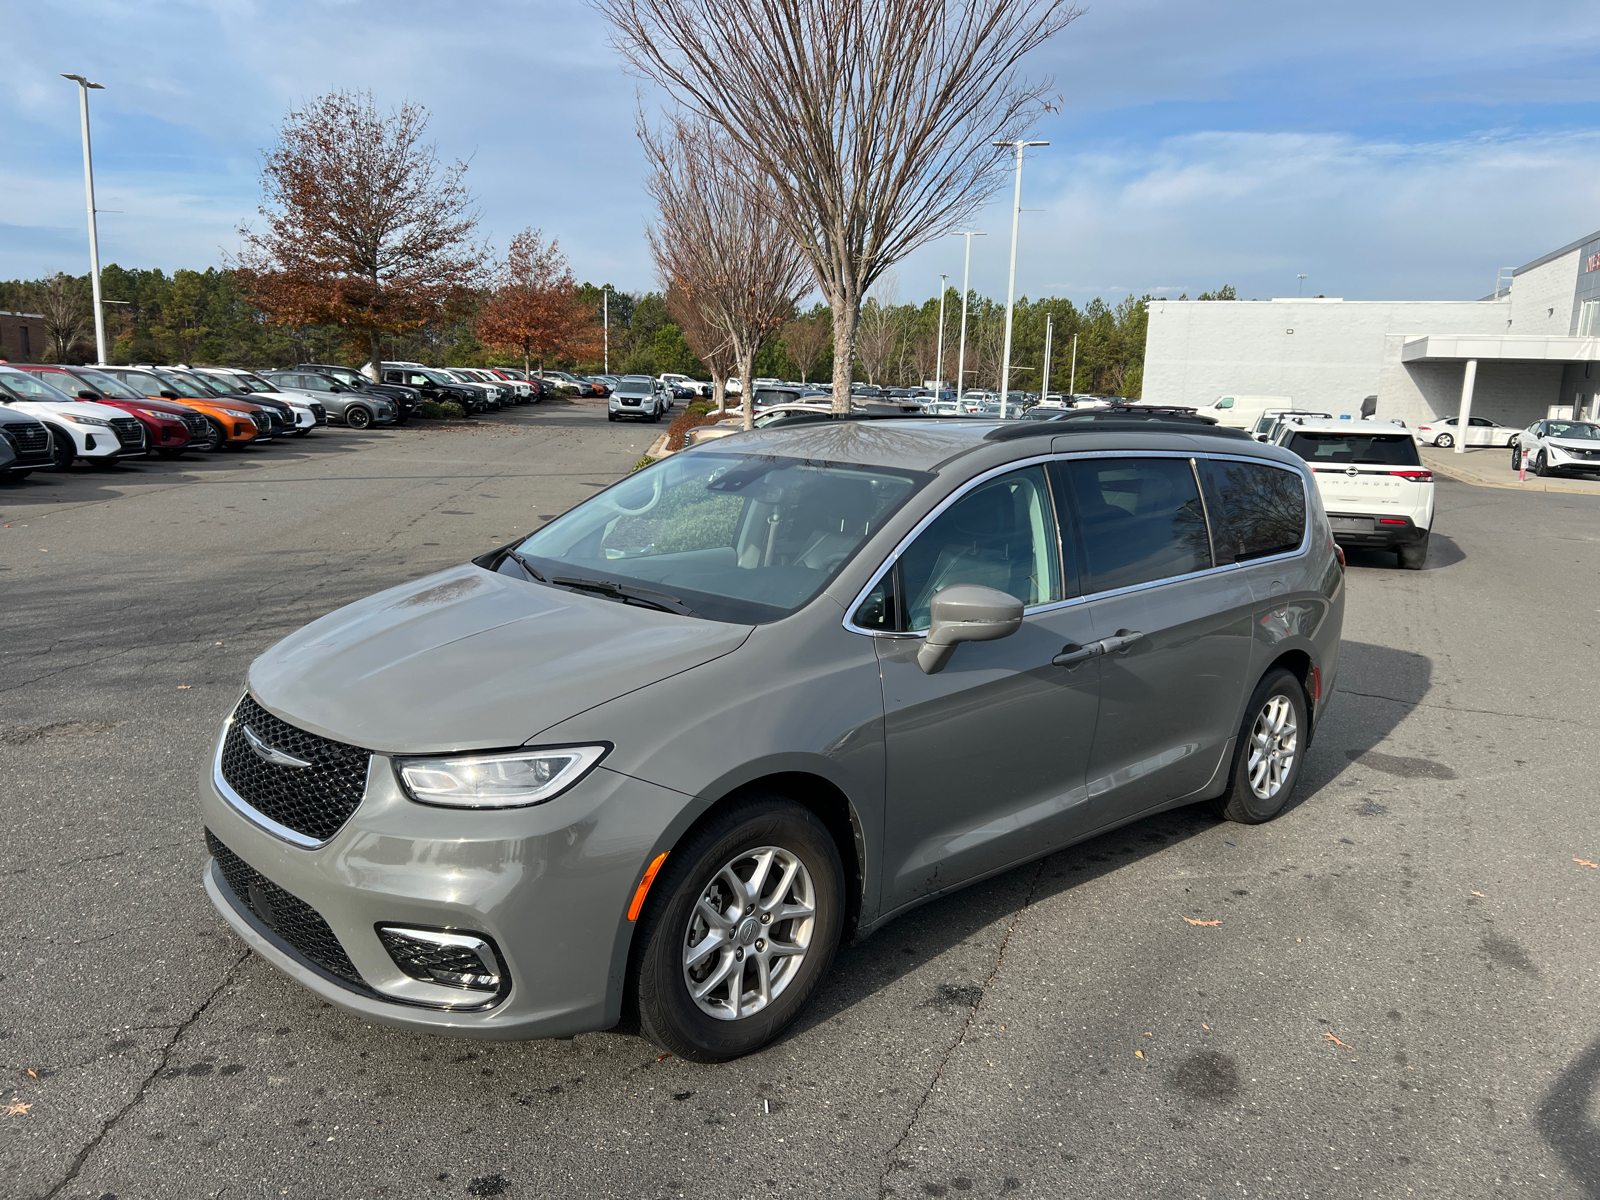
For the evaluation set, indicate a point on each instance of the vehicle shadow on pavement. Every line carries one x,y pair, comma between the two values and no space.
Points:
1564,1121
1442,552
1385,684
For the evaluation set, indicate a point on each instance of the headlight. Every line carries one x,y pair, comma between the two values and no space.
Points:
77,420
237,415
159,416
507,780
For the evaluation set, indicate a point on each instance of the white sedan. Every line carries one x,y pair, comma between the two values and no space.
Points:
1480,432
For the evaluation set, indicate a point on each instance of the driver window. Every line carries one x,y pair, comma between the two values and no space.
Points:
1002,535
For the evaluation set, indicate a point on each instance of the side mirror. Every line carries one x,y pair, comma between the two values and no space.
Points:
86,394
166,395
966,612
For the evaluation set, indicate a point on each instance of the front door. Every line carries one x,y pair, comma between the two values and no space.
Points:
986,759
1179,632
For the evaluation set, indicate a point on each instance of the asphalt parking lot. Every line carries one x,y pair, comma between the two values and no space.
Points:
1391,990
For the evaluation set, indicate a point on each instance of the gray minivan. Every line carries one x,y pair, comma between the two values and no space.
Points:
647,766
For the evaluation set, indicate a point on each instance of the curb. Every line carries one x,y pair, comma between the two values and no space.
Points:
658,448
1534,483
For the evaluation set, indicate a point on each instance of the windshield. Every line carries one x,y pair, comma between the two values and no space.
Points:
252,383
635,387
183,387
24,384
81,377
1391,450
1581,430
741,538
212,386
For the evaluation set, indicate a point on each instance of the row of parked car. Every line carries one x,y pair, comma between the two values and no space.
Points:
53,415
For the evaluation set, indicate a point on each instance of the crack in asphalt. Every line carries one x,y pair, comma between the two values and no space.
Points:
890,1162
1486,712
115,1119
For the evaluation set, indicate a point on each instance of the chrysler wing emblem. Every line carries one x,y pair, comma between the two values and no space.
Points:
271,754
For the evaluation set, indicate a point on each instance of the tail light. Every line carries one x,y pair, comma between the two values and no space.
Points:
1414,476
1393,521
1338,552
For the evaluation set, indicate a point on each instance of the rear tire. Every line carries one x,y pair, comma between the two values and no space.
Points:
799,871
1413,555
1444,441
1269,751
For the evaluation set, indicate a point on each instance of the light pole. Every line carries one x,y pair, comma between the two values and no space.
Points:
1049,333
88,189
1011,284
938,362
966,272
1300,288
1072,383
605,321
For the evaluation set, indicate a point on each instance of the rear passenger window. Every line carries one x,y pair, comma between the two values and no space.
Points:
1256,510
1141,520
1002,534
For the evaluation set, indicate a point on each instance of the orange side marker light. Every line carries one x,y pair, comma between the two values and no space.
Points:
644,886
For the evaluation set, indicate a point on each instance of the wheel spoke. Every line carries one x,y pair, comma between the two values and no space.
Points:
724,968
763,982
784,881
694,955
791,911
713,918
758,878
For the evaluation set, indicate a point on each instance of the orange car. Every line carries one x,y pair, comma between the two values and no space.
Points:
237,421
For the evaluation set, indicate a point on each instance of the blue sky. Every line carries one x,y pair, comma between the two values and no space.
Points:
1385,150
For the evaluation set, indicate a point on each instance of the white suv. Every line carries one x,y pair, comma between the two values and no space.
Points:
1378,494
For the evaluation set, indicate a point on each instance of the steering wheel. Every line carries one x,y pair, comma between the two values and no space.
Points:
655,498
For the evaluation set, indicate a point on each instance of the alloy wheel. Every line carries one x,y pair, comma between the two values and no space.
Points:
749,933
1274,744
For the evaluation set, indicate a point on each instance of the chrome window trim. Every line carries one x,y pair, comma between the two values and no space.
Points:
254,815
1067,456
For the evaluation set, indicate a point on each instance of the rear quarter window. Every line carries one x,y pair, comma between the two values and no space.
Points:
1380,449
1257,509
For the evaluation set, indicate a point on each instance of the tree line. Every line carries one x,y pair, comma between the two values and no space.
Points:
203,317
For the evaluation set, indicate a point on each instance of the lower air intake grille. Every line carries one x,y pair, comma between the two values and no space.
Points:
314,800
290,917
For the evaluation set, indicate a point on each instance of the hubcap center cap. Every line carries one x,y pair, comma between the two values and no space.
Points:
747,931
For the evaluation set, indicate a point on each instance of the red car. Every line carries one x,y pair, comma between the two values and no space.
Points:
172,427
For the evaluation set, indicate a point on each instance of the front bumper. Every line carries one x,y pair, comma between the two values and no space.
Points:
548,886
1383,531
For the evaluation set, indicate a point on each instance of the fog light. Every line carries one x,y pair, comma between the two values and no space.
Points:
459,960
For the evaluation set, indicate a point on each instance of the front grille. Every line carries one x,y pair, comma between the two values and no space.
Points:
317,411
28,438
288,916
314,801
195,423
130,433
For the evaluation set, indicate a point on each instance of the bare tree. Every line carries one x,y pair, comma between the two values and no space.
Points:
68,317
872,119
720,240
806,340
364,228
876,337
707,341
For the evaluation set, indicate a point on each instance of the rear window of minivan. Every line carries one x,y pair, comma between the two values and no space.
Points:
1381,449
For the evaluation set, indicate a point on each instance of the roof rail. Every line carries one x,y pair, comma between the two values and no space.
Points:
1114,422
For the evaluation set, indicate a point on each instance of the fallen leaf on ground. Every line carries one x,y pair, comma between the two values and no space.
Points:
1197,921
1203,1025
1336,1041
17,1110
184,687
1148,1034
1584,862
32,1072
1138,1053
662,1057
1480,894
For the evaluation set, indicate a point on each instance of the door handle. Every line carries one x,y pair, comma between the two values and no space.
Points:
1073,655
1121,641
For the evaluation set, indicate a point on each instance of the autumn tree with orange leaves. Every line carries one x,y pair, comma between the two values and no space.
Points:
364,227
534,308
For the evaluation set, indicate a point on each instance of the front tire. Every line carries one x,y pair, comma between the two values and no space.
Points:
357,417
1444,441
1269,753
1516,457
64,449
747,914
1541,465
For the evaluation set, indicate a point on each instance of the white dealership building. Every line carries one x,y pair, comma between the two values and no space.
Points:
1532,346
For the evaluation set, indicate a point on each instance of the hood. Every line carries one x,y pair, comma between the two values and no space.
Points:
468,659
78,408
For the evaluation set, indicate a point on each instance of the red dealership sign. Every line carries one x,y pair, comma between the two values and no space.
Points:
1592,263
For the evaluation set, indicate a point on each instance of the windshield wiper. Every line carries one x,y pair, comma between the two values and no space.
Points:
665,601
525,565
